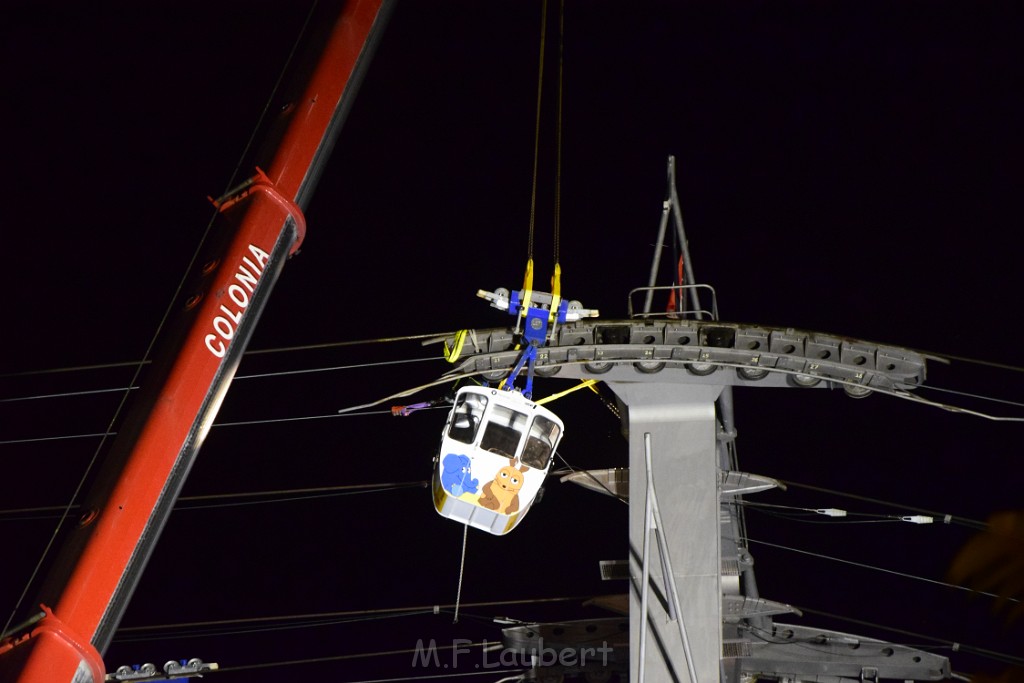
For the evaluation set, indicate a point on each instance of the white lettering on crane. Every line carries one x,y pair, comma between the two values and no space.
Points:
247,276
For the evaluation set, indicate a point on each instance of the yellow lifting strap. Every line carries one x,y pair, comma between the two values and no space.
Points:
527,287
556,293
582,385
451,355
556,290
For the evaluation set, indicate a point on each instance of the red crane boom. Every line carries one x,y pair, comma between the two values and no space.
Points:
258,227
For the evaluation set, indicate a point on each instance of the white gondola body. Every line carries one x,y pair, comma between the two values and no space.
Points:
496,449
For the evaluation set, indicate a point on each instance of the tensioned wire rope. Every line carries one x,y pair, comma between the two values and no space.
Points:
298,621
884,570
236,499
247,498
439,335
348,490
243,626
218,627
946,643
434,336
528,281
943,517
943,644
414,337
364,655
536,133
450,378
160,326
819,555
282,373
259,375
975,524
349,412
247,625
250,352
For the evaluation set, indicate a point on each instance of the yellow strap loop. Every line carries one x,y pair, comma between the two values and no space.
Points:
451,355
582,385
556,293
527,287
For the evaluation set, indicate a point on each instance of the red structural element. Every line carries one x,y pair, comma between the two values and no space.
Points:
259,226
53,636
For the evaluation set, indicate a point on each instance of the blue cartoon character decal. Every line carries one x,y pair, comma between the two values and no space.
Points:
455,475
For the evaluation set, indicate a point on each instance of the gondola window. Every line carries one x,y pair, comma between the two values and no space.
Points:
468,414
503,432
543,433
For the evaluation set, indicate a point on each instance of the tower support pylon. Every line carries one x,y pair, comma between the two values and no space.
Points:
680,419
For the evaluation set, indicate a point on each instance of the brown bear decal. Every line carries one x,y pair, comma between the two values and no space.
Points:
502,494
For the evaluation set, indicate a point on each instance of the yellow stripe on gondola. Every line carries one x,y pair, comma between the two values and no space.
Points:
440,496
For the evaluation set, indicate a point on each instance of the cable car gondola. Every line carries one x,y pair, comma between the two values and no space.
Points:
498,444
496,449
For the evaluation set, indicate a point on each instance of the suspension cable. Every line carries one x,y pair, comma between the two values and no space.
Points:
348,613
292,625
536,129
967,394
437,609
621,499
558,133
201,502
283,373
556,277
359,655
260,375
905,575
946,518
250,352
462,568
239,423
450,378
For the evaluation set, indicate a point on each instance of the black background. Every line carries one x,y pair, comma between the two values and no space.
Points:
844,167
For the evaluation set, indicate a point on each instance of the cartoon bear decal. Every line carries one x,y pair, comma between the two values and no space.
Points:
502,494
456,475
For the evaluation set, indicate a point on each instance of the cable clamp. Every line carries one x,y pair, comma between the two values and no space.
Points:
918,519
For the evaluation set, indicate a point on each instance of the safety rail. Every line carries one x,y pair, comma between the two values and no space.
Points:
680,292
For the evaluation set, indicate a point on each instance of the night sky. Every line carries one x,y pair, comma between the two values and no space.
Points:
849,168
